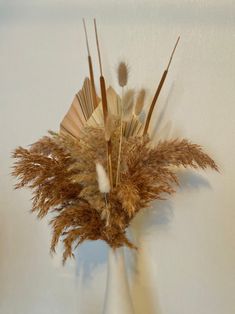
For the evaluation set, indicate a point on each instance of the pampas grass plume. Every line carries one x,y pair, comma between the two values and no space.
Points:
122,71
103,180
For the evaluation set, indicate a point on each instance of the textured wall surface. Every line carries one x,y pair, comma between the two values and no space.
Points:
186,260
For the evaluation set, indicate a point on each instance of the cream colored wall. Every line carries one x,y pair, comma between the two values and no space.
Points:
186,260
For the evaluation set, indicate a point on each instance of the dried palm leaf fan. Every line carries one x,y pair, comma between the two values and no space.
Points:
101,169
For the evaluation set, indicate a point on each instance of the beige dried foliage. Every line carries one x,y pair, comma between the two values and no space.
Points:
128,104
109,127
140,101
61,172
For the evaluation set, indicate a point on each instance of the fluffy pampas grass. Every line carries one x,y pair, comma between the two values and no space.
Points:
63,174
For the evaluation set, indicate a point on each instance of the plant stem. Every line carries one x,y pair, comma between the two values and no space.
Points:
155,98
120,142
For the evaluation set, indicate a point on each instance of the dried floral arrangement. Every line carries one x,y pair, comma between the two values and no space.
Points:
102,168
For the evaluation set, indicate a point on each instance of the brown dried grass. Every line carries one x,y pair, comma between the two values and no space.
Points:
61,172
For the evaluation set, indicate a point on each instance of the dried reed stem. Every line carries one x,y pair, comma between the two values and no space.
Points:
172,54
155,98
109,144
105,110
120,141
104,98
94,98
98,47
122,72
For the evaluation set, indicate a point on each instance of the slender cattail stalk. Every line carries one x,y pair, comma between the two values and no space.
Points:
94,98
155,98
120,141
122,72
105,109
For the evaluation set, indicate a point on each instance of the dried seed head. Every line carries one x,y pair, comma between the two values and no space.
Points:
128,104
122,71
140,101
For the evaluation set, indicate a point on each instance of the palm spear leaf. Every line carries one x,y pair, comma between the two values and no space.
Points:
80,111
132,127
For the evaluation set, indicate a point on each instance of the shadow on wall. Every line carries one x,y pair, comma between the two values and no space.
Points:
89,256
146,221
163,131
164,128
144,295
161,216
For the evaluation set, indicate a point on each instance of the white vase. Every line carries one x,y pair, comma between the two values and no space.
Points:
117,295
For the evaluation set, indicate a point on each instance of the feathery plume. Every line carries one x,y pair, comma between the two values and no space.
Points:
102,178
63,176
